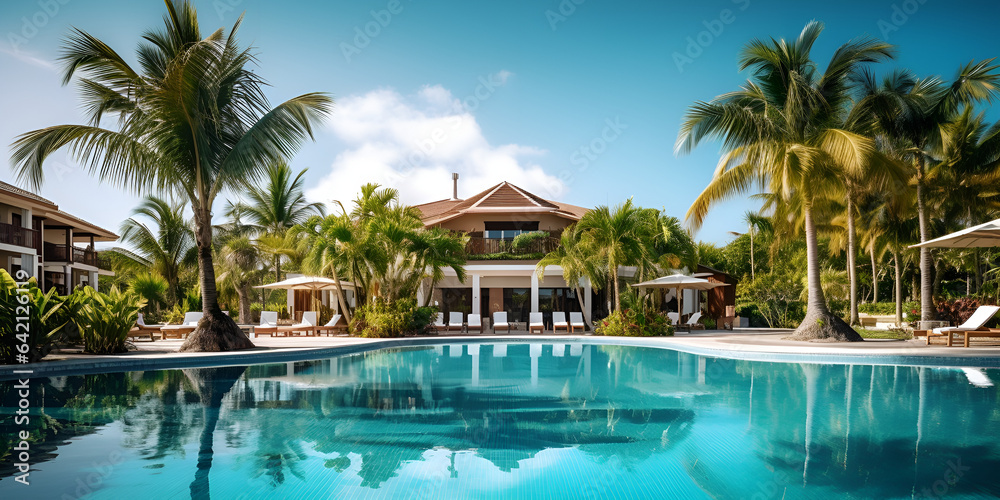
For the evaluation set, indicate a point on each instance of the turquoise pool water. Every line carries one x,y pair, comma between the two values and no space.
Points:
513,421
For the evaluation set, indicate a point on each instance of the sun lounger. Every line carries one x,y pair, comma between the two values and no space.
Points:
335,325
455,321
535,323
559,321
500,321
675,319
439,323
184,329
307,325
141,328
973,327
576,321
692,322
474,322
268,323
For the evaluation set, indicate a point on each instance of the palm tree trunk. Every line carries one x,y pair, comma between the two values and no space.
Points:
852,263
340,296
614,276
874,274
938,276
586,315
216,331
899,288
243,292
277,268
819,322
926,296
977,262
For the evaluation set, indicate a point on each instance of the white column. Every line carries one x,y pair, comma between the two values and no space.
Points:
534,292
588,297
93,280
289,300
420,295
476,291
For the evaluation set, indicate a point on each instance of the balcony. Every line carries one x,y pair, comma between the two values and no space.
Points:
62,253
20,236
480,248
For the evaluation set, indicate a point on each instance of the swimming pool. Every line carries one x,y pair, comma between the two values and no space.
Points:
514,420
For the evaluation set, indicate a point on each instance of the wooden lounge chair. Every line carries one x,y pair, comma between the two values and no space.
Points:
335,325
559,321
307,325
268,323
576,321
973,327
455,321
500,321
692,322
141,328
184,329
474,322
535,323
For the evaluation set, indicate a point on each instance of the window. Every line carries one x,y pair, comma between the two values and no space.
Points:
507,230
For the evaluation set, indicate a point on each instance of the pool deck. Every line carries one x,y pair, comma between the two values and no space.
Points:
748,344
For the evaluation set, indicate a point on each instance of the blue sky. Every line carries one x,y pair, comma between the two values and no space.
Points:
579,102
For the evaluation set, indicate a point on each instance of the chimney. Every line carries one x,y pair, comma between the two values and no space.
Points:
454,192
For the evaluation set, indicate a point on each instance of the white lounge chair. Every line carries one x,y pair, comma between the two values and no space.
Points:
188,326
307,325
576,321
335,325
439,322
535,323
268,323
474,322
692,322
675,319
500,321
141,328
559,321
455,321
973,327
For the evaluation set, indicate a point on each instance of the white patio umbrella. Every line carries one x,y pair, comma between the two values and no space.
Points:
983,235
310,283
680,282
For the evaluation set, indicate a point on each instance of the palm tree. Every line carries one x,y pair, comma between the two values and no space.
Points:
165,246
276,206
912,112
781,132
436,249
620,237
325,239
194,120
240,266
577,259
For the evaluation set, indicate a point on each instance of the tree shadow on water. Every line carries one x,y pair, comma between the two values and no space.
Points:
212,385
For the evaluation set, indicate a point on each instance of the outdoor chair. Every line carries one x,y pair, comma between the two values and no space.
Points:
535,323
141,328
559,322
474,322
576,321
307,325
439,322
500,321
675,318
184,329
692,322
335,325
973,327
268,323
455,321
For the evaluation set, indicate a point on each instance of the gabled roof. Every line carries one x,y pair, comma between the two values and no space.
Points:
501,198
16,191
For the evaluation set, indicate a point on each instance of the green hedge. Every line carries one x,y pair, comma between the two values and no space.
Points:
635,323
889,308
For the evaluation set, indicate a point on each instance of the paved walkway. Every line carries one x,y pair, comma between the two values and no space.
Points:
753,344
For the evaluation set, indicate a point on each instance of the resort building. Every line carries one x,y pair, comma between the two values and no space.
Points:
55,247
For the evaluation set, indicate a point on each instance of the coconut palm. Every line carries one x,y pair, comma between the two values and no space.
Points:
325,239
781,132
912,112
435,250
275,207
193,118
240,266
577,259
165,244
620,236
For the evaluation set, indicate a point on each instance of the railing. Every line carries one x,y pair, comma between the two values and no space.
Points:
61,253
479,246
20,236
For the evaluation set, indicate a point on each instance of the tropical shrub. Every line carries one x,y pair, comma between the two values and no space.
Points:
381,319
911,308
957,311
42,324
507,256
105,319
635,322
776,297
524,240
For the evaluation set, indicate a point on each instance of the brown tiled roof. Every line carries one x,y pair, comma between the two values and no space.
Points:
12,189
501,196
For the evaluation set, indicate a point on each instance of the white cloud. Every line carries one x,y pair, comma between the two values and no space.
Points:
29,59
414,143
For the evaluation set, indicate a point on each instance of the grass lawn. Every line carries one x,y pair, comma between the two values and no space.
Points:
885,334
